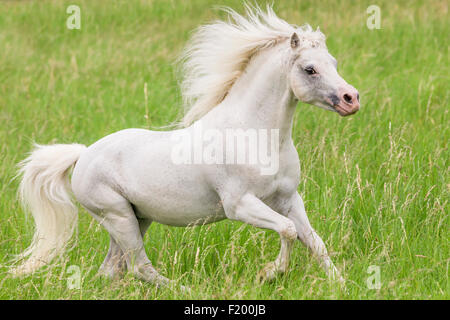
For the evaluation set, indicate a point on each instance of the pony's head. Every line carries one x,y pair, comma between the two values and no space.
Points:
314,78
219,53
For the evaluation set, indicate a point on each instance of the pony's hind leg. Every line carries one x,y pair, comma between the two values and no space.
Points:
117,216
115,265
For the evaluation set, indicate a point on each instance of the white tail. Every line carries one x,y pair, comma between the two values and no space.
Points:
45,191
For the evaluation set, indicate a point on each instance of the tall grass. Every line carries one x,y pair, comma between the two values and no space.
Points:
376,185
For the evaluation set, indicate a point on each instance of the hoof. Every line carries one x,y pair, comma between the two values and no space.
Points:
335,276
186,290
111,273
268,273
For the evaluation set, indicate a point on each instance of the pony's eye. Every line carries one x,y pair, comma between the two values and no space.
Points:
310,70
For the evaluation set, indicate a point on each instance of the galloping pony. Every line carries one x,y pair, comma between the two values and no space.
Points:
247,74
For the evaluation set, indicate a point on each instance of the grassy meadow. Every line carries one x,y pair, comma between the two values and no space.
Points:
376,185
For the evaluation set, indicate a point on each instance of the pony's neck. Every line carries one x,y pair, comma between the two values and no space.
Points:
261,97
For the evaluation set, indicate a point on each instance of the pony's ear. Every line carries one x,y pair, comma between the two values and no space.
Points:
295,41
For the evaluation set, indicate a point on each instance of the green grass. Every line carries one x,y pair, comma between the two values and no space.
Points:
376,185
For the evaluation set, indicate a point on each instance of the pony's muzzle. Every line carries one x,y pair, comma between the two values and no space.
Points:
348,101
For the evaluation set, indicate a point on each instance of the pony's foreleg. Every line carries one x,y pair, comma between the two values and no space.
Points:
310,239
281,264
115,265
251,210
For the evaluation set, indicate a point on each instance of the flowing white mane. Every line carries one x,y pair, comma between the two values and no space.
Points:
218,53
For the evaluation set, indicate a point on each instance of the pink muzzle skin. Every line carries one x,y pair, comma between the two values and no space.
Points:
348,101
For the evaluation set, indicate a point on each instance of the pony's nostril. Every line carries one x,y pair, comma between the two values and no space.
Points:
347,98
357,96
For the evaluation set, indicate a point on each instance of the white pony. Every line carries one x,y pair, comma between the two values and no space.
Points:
247,75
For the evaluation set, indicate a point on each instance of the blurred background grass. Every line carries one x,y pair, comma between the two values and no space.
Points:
376,185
